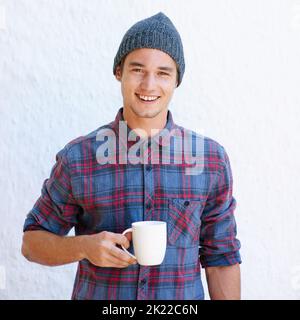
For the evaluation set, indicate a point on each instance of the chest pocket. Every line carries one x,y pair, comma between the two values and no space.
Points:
184,220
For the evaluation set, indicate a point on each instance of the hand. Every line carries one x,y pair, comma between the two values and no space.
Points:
101,250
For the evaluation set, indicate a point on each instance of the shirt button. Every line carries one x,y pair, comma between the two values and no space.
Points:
186,203
143,282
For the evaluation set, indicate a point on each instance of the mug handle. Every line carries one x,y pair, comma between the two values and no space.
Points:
126,231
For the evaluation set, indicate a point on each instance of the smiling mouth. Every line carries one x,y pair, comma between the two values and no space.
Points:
147,99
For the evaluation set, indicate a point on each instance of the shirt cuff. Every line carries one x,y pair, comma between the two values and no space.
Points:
31,224
221,260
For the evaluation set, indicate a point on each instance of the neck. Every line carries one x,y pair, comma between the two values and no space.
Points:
150,125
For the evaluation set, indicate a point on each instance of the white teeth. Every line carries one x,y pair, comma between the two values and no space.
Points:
147,98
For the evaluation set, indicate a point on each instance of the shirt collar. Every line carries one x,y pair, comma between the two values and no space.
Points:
162,138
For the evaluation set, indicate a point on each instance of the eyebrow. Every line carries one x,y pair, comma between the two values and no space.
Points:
137,64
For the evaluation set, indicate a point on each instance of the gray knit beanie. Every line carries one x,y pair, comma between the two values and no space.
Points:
156,32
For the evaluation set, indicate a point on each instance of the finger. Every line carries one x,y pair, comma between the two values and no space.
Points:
121,255
129,236
120,239
115,263
111,261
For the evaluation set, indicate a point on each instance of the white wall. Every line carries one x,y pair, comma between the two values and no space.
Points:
241,87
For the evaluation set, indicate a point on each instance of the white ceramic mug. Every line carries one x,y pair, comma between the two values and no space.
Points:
149,242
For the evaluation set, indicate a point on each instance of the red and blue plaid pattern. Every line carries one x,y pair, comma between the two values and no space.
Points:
93,197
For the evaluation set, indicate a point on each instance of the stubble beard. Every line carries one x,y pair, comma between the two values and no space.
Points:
147,111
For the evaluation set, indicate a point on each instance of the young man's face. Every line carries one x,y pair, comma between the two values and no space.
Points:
147,73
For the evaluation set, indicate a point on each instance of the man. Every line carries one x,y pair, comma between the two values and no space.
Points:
102,198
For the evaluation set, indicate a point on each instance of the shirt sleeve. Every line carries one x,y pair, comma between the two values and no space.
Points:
218,243
56,209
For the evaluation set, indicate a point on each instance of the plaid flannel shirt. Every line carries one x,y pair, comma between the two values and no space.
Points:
93,197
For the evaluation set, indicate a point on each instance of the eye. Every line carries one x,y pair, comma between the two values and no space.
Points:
137,70
163,73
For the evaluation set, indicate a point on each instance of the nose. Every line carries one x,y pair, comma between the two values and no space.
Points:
148,82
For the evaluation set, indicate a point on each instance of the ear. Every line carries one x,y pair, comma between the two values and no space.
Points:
118,73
